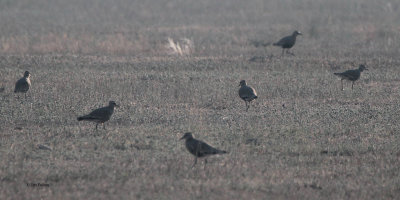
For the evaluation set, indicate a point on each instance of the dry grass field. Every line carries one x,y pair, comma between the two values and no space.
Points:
303,138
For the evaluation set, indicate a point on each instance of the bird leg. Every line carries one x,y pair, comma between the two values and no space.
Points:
342,84
195,161
205,162
247,107
283,52
352,83
104,126
290,53
97,125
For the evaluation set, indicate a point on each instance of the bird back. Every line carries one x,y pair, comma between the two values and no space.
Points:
200,149
286,42
247,93
351,75
22,85
100,114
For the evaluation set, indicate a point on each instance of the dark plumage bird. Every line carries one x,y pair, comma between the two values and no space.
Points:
247,93
23,84
351,75
287,42
100,115
199,148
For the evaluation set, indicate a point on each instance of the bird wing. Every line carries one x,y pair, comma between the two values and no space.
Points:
253,91
350,74
206,149
21,85
200,148
100,113
247,93
284,41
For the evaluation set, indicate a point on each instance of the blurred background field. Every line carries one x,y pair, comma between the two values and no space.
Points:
304,138
125,27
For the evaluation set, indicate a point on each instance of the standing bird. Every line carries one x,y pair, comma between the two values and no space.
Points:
247,93
23,84
351,75
100,115
287,42
199,148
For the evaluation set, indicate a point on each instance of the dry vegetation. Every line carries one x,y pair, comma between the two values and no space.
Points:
303,139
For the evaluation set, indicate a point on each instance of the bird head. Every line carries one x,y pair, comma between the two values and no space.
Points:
186,136
27,74
242,83
112,103
362,68
296,33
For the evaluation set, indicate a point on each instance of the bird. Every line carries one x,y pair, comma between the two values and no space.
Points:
199,148
351,75
288,42
247,93
23,84
100,115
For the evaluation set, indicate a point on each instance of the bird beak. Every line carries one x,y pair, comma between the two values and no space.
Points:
182,138
116,105
300,33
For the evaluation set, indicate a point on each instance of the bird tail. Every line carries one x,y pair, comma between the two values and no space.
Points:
276,44
338,74
255,97
222,152
85,118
